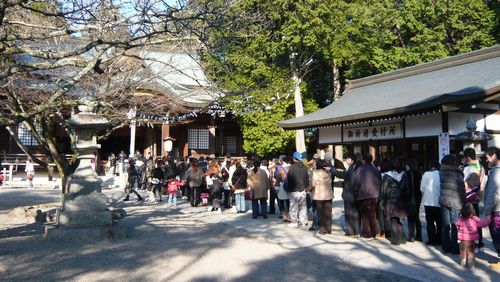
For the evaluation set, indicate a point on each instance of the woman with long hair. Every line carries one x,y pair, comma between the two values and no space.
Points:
239,184
195,180
258,182
213,178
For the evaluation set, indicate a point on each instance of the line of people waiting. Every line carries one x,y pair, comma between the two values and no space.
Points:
378,198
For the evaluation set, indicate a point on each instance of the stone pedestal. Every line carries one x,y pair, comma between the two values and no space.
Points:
85,214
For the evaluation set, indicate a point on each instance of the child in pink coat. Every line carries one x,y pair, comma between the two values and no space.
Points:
172,188
467,225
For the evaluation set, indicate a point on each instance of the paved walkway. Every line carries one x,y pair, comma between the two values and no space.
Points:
192,244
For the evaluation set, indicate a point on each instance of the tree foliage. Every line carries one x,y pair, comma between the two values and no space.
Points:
250,57
381,36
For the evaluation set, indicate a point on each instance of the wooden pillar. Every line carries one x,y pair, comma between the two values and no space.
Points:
132,137
212,142
165,132
373,151
339,154
149,145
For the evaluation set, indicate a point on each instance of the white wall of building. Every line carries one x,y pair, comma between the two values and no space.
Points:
493,121
423,125
330,135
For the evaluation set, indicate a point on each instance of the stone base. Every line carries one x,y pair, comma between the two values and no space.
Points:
60,233
85,218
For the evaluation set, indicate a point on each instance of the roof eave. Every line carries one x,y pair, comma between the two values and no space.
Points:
428,106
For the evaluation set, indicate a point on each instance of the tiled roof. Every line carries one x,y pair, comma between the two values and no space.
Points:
468,77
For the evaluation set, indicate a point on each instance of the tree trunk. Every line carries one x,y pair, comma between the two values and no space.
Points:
336,81
300,143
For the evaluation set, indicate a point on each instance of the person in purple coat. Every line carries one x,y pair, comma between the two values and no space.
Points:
366,190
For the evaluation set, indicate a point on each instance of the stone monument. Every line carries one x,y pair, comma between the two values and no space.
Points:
472,138
84,214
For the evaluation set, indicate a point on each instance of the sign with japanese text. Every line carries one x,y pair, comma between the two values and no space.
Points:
373,132
444,144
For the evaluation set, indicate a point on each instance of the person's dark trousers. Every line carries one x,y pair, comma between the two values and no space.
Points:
495,233
259,207
233,198
131,189
388,228
185,191
156,191
414,226
227,198
480,243
273,196
434,226
309,202
324,210
380,218
351,217
397,231
449,240
315,214
215,195
195,195
284,205
369,224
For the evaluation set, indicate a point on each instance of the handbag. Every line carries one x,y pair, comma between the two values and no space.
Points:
248,194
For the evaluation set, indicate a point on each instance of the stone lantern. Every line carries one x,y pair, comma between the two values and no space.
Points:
471,138
84,214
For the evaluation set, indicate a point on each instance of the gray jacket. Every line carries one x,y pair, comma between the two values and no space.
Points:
492,191
452,187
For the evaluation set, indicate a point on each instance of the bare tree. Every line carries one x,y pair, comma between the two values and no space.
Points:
52,52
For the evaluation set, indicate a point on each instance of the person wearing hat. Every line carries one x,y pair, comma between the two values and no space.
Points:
298,181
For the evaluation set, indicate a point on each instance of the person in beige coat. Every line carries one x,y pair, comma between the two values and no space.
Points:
322,193
258,182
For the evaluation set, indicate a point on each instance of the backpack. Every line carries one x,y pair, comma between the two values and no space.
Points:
285,182
276,175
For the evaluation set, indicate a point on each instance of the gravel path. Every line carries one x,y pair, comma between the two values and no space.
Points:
192,244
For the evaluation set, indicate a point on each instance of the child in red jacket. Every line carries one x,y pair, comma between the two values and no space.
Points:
172,188
468,234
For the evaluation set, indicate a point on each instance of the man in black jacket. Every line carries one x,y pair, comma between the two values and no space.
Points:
298,181
452,197
350,205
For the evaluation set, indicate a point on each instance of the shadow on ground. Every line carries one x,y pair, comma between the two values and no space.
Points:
173,244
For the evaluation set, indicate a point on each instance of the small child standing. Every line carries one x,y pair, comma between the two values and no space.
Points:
173,188
467,225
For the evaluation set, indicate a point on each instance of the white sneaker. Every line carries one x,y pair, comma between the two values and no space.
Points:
293,224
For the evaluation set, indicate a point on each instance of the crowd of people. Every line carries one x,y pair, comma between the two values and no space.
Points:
379,197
